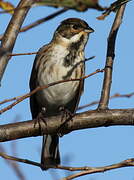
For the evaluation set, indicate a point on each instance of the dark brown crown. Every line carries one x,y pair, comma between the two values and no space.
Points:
75,21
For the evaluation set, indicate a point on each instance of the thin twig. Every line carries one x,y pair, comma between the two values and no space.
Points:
39,88
31,53
105,94
113,7
116,95
5,156
83,170
125,163
42,20
90,58
20,54
8,100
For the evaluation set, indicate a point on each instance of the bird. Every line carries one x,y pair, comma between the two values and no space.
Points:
61,59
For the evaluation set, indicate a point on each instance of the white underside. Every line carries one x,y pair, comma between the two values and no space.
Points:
59,94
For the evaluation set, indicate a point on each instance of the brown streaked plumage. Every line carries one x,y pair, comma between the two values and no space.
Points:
60,59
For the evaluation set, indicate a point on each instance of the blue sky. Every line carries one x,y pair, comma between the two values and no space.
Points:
91,147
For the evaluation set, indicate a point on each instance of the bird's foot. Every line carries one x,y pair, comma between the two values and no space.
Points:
65,113
65,118
40,117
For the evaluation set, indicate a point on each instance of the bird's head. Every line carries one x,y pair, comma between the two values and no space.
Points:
73,30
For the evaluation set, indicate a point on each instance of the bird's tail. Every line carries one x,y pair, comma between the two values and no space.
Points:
50,156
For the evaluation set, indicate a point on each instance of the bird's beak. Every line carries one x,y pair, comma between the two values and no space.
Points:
89,30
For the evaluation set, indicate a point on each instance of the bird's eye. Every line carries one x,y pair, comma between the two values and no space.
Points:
76,27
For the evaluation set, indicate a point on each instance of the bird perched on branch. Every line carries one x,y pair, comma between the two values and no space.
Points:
61,59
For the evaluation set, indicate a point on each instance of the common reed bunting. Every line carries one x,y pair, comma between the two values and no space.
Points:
61,59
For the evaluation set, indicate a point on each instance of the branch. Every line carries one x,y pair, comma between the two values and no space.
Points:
31,53
5,156
83,170
81,5
20,54
42,20
52,125
116,95
91,170
112,8
104,100
39,88
11,33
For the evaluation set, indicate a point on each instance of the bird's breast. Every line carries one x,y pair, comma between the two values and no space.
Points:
54,71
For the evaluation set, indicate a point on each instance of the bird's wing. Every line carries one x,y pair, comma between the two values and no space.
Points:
34,106
73,104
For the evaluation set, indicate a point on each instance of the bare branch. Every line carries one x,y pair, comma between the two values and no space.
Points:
116,95
81,5
83,170
39,88
8,100
5,156
42,20
89,119
125,163
31,53
104,100
113,8
20,54
11,33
